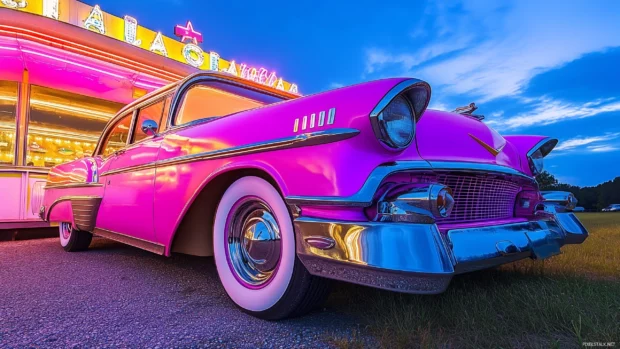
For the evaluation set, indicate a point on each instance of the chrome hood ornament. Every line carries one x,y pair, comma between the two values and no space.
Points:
468,110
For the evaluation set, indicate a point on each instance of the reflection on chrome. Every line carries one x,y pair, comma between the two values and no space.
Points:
418,258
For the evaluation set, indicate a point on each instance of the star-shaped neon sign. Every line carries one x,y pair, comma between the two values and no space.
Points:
188,33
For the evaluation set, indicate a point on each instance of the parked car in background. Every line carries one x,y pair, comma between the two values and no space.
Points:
612,208
579,209
360,184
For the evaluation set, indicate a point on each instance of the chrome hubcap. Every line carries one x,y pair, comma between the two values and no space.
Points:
65,230
253,239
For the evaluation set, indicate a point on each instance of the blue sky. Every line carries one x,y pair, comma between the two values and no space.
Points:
532,67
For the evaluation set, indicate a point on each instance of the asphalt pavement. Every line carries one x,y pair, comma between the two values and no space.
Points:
118,296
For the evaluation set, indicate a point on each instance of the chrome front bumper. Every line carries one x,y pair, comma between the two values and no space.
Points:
418,258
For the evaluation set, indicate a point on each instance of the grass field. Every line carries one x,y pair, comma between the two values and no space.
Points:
557,303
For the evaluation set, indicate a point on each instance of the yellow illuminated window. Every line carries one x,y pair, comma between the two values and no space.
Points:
64,126
8,112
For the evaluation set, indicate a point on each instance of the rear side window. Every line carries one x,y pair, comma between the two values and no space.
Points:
117,137
214,99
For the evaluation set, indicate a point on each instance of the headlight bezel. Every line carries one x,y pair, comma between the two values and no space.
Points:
382,132
536,155
416,93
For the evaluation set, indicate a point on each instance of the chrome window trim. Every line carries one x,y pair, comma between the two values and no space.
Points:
364,197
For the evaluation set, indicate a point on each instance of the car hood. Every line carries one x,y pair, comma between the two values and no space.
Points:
444,136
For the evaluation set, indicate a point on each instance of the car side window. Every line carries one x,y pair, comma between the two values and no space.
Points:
150,112
206,100
118,135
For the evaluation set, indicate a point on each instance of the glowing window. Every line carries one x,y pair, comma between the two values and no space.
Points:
8,112
64,126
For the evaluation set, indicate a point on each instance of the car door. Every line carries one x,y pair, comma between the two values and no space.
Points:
127,204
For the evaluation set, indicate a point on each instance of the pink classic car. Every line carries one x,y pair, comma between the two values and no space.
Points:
360,184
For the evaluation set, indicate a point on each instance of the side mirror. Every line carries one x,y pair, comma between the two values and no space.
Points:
149,127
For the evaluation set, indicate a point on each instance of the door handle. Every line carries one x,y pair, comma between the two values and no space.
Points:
120,152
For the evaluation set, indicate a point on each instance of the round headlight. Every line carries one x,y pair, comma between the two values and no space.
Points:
536,162
397,123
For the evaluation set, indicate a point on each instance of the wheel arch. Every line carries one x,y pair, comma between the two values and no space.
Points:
194,230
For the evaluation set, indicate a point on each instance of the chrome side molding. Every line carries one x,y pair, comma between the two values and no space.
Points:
130,240
301,140
72,185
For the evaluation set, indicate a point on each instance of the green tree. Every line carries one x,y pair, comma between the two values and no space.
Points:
546,181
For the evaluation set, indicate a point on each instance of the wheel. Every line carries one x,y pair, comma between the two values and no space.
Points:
254,248
73,240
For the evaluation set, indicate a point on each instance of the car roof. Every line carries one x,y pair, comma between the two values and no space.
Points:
216,75
144,100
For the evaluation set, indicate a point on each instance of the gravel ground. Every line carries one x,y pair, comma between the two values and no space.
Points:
117,296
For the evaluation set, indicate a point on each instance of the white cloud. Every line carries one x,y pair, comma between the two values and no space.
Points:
500,49
579,142
378,59
602,148
548,111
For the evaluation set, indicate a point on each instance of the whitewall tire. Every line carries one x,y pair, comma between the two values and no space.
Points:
73,240
254,249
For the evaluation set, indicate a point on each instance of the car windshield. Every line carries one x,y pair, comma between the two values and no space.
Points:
215,99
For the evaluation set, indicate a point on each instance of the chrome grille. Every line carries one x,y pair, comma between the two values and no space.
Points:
479,198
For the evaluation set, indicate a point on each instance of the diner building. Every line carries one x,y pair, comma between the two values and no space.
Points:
65,69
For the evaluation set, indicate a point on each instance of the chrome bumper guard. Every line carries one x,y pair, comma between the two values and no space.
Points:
417,257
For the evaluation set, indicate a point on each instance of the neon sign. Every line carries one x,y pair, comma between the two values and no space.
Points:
131,31
15,4
94,21
186,49
188,32
194,55
261,76
50,8
158,45
214,61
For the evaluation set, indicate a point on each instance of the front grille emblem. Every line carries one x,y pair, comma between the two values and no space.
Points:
489,148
